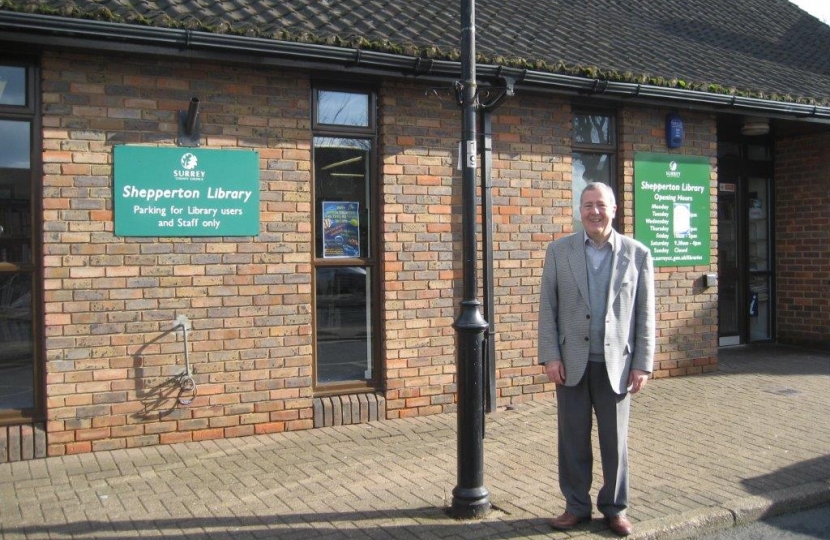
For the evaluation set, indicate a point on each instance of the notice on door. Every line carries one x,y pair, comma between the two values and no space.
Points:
672,208
166,191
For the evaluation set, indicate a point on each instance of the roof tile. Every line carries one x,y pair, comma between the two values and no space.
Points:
765,47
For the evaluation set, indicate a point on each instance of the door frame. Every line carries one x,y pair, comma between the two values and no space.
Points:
740,159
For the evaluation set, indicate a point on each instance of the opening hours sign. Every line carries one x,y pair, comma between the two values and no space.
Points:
672,209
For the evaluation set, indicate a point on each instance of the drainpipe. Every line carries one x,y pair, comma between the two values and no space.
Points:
470,499
486,109
490,401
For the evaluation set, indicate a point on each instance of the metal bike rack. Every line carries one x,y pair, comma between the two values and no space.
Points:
186,382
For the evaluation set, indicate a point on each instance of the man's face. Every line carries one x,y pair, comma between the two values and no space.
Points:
596,212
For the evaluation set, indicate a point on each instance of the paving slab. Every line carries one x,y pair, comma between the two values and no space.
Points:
707,452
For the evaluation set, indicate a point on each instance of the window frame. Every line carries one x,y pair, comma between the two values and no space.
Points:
343,129
29,112
372,259
32,85
611,150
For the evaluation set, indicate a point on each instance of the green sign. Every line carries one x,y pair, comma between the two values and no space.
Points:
671,208
166,191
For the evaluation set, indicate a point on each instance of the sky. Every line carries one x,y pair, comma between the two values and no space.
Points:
817,8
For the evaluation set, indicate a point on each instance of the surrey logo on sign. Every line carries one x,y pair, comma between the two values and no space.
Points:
189,163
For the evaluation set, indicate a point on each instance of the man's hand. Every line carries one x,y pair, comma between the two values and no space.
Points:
556,371
637,379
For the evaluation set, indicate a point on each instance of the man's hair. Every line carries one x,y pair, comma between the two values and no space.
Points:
605,189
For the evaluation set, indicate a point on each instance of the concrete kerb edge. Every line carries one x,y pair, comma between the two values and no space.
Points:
734,513
778,502
684,525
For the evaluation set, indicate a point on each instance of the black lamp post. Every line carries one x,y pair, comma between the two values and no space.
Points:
470,499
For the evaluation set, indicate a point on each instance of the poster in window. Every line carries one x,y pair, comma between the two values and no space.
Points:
756,207
341,226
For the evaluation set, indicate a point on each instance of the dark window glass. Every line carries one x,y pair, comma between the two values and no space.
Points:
593,156
759,152
12,85
592,129
588,167
16,351
341,172
342,108
592,167
15,149
344,322
343,165
15,192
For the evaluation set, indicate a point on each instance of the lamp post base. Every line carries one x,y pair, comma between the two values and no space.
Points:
473,503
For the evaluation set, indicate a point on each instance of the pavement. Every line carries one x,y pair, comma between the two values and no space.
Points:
706,452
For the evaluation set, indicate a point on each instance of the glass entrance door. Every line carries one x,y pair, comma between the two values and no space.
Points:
760,265
745,259
730,291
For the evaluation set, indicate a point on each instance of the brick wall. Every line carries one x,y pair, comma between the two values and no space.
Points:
531,207
110,303
112,353
802,240
420,194
687,312
531,193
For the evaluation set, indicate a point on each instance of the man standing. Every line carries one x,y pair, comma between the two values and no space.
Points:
596,341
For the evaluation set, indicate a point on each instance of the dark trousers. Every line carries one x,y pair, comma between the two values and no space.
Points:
575,404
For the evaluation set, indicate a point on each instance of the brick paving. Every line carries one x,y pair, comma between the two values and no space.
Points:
749,439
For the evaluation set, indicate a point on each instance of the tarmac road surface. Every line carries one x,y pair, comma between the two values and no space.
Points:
805,525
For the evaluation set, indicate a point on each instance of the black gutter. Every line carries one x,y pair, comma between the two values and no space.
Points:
101,36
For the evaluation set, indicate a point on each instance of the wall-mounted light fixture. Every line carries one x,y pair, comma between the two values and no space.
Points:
754,126
189,125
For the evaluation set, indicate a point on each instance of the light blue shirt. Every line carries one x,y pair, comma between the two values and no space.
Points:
596,254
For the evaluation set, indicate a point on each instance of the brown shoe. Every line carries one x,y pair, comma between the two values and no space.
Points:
567,521
620,525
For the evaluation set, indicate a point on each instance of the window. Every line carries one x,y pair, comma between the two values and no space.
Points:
19,370
13,85
342,108
594,155
344,254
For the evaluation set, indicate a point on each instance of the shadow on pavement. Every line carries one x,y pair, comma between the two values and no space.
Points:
773,359
795,475
418,523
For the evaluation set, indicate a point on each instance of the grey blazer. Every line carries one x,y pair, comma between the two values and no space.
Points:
564,311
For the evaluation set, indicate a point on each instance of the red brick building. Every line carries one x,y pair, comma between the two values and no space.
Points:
121,331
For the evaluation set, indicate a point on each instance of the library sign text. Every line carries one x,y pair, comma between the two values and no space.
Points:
671,207
166,191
